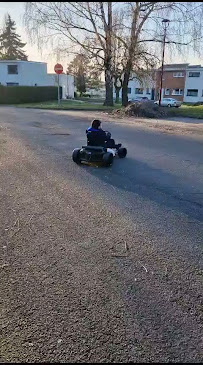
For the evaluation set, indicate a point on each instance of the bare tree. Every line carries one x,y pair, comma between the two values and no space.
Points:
93,26
82,23
144,59
142,67
141,23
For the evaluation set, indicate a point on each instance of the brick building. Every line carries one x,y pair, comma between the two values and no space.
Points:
174,77
182,82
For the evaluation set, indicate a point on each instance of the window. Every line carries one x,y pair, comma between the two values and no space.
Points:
192,92
178,74
148,91
177,92
167,91
194,74
139,91
12,69
129,90
12,83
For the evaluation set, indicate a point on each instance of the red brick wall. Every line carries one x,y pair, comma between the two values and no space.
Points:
170,82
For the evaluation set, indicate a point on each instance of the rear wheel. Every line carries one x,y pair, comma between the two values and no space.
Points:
107,159
122,152
76,156
169,105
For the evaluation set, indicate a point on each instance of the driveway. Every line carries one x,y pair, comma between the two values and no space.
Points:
99,265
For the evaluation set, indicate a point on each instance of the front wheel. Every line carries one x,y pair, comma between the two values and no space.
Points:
107,159
122,152
76,155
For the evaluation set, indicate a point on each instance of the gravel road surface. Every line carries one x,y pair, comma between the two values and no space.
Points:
99,264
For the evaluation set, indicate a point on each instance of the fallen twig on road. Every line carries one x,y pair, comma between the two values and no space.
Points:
15,232
143,266
126,246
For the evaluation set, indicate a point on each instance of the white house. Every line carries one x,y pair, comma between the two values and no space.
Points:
31,73
136,88
100,92
193,91
66,82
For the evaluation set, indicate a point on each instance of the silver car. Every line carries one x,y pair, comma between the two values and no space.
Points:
169,102
139,98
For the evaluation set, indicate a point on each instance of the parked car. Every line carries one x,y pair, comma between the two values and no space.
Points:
138,98
169,102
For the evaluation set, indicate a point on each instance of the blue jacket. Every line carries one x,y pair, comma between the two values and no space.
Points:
97,137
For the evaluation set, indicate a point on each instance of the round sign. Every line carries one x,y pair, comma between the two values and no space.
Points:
58,68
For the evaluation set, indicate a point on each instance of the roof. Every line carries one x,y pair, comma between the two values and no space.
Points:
174,67
20,61
179,65
195,66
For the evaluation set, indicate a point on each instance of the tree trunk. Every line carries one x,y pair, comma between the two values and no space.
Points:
125,89
117,94
131,53
109,88
108,60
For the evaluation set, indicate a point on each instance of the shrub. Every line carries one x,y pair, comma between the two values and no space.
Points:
27,94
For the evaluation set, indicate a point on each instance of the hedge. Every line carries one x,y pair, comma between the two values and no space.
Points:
27,94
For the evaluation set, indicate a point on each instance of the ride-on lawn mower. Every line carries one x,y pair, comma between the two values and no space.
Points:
98,154
98,149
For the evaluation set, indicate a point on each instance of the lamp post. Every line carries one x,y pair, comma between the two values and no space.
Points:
165,23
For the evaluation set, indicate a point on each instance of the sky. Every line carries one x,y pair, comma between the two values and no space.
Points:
16,10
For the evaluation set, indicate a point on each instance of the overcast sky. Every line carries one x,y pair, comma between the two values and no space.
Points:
16,10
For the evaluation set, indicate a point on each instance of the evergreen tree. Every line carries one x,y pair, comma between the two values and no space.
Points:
85,73
10,43
77,68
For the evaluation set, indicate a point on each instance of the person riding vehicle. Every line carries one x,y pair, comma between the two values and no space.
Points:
96,136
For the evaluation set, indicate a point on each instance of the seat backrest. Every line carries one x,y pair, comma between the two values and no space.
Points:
94,139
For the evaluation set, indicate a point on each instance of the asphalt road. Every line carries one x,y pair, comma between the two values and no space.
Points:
99,265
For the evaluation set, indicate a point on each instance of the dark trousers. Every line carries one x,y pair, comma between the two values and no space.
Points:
110,143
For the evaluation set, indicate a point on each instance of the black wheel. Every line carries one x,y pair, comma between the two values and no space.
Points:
107,159
122,152
169,105
76,155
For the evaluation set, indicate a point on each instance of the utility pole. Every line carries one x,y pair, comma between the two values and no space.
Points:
165,23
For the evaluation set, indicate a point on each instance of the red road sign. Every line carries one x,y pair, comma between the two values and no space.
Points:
58,68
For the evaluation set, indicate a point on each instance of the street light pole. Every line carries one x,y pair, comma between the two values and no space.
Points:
165,23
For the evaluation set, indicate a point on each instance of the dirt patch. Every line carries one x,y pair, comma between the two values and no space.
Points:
54,129
60,134
37,124
149,115
2,142
169,126
145,109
